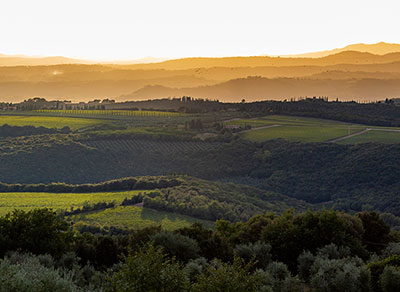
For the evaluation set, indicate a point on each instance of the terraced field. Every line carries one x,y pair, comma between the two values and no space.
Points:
134,217
49,122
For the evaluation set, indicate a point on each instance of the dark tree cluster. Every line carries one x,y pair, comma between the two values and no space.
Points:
322,251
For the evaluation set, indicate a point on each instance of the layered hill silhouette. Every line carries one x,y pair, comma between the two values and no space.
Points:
381,48
20,60
259,88
344,75
348,57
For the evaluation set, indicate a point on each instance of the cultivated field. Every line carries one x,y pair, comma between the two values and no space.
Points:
136,145
309,130
120,216
298,133
49,122
374,136
132,113
56,201
137,217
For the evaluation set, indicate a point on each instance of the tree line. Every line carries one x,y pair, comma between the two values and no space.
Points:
318,251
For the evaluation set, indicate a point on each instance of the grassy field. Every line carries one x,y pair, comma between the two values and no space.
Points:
282,120
28,201
308,130
298,133
137,217
122,217
374,136
49,122
112,113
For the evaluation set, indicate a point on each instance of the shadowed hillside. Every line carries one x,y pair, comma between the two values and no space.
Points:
258,88
346,75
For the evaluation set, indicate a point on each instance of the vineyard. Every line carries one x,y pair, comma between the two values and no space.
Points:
127,113
131,145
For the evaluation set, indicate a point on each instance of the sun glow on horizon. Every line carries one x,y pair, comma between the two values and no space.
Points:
127,30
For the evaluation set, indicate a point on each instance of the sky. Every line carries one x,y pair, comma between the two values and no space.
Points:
132,29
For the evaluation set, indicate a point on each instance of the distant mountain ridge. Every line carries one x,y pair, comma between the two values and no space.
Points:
381,48
38,61
376,50
259,88
346,57
344,75
20,60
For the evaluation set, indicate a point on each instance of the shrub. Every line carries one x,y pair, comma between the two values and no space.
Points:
339,275
258,252
390,279
220,276
149,270
305,261
180,246
29,275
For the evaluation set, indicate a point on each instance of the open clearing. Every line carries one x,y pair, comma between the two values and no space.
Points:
302,129
120,216
28,201
49,122
134,217
381,136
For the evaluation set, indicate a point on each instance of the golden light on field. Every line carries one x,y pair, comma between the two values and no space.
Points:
121,29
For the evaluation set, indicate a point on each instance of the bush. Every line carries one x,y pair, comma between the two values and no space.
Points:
258,252
377,269
393,248
332,251
195,267
339,275
390,279
305,262
228,278
38,231
149,270
179,246
28,275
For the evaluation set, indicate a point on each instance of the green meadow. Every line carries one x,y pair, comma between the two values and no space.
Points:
298,133
374,136
49,122
120,216
302,129
133,217
57,201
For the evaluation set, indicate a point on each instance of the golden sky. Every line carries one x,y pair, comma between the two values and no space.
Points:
131,29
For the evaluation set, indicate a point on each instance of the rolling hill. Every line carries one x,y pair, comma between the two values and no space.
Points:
258,88
381,48
345,75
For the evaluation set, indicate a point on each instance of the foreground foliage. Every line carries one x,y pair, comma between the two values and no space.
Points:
321,251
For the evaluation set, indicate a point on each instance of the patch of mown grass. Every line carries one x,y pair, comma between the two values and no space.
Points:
299,133
374,136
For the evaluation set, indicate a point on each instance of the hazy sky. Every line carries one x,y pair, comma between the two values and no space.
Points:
118,29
